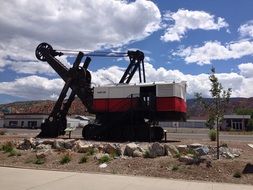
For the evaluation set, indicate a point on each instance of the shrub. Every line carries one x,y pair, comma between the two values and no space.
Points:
39,161
83,159
237,174
65,159
104,159
178,155
114,154
192,152
91,152
212,135
2,132
14,152
174,168
7,147
29,160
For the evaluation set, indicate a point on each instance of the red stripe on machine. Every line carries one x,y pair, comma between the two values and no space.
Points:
170,104
124,104
114,105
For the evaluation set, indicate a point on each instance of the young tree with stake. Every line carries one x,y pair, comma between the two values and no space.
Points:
216,107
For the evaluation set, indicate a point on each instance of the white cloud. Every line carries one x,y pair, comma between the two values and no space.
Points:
28,87
214,50
69,25
246,30
246,70
32,87
185,20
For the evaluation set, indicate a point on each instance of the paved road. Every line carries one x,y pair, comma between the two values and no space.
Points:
27,179
197,134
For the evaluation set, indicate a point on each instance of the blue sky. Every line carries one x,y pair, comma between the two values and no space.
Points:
181,40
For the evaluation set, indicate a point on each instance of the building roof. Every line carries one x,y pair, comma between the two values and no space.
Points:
237,116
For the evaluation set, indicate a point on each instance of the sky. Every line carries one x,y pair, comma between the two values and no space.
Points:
181,40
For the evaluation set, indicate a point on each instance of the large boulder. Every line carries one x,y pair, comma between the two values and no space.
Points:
229,153
42,154
194,145
130,148
81,147
183,149
113,149
99,147
69,143
156,149
27,144
189,159
48,141
59,144
137,153
171,150
201,151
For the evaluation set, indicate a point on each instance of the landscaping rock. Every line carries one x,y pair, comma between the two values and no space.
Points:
85,148
156,149
43,147
69,143
81,147
119,151
59,144
104,165
201,151
42,154
235,152
189,159
109,148
171,150
137,153
98,156
27,144
100,147
183,149
113,149
229,153
194,145
48,141
130,148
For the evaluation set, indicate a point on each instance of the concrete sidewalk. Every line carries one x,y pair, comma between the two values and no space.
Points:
28,179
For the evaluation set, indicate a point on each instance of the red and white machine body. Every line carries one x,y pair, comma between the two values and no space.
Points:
167,100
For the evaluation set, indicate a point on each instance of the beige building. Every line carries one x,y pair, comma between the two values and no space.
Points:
24,120
34,120
235,122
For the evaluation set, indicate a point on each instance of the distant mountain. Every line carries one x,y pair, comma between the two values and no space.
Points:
40,106
194,110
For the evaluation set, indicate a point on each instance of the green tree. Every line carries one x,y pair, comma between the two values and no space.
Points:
246,111
217,105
